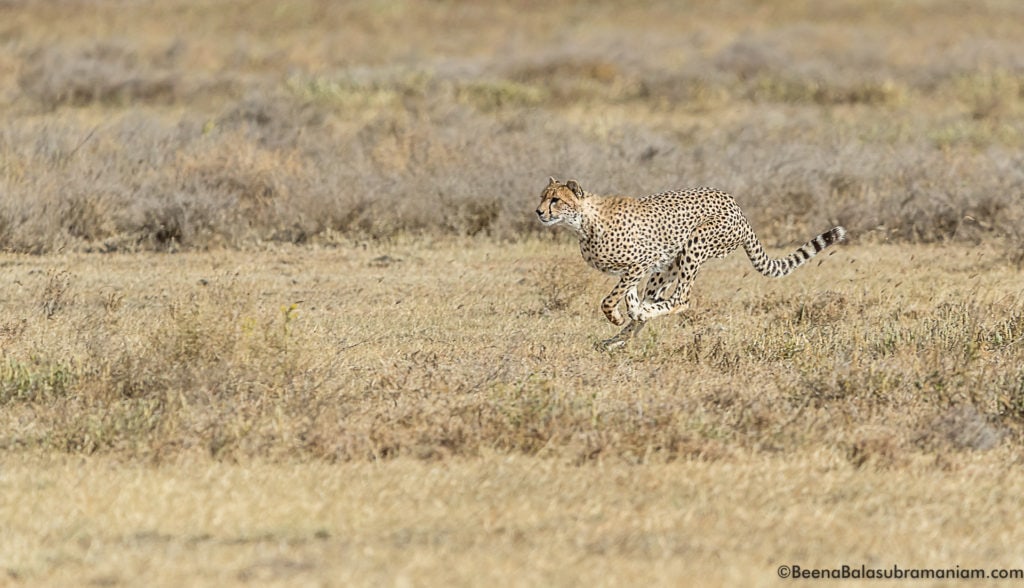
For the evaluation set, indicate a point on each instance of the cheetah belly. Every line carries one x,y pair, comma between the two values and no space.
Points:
620,251
600,262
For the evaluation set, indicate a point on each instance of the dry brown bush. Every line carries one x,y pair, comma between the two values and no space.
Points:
107,72
810,117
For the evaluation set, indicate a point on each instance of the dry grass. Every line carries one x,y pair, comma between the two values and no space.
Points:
366,363
499,519
435,412
432,350
124,133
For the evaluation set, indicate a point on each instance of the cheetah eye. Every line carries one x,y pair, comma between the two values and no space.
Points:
555,200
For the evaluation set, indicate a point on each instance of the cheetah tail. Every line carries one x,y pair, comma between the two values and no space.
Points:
778,267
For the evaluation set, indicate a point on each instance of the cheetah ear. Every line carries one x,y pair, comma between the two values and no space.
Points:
575,187
552,181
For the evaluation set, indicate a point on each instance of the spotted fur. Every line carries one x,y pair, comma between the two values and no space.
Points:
662,237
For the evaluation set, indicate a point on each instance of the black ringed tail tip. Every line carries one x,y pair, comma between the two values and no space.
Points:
835,235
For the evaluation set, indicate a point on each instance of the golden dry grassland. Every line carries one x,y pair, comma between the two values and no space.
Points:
501,520
276,310
434,413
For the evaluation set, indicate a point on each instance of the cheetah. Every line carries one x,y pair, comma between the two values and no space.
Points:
663,237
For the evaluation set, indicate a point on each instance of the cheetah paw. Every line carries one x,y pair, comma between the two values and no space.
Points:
611,344
615,317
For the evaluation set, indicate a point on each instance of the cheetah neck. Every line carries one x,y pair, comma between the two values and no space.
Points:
590,220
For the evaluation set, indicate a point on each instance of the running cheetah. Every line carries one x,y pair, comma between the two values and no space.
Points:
664,237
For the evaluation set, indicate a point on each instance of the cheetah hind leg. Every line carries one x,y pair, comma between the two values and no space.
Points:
625,335
687,269
661,282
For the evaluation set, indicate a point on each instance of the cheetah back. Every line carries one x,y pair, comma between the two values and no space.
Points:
650,231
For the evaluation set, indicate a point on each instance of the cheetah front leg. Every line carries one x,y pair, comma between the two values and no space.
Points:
619,340
626,288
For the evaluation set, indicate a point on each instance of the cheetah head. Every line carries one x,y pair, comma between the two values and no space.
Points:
561,203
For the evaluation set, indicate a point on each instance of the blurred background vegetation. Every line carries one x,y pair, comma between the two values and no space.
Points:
182,125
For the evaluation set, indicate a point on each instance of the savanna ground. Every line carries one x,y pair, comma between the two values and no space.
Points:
275,308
